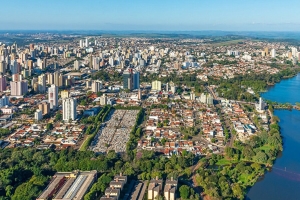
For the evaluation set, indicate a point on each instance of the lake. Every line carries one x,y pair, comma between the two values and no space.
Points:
283,181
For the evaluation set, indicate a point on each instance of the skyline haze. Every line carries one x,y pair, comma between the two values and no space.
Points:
154,15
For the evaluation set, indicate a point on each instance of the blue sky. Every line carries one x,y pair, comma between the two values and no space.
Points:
166,15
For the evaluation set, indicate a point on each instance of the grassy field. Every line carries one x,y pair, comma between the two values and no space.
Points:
230,42
225,161
265,148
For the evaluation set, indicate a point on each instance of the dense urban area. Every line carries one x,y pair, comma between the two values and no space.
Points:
133,118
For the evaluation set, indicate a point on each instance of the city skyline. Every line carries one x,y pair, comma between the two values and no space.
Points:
151,15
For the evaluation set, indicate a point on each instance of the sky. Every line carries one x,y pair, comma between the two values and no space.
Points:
156,15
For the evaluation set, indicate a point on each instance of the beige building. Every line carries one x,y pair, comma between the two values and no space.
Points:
170,189
44,107
154,188
156,85
115,188
64,94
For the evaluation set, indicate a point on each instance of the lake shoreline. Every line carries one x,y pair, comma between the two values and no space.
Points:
278,182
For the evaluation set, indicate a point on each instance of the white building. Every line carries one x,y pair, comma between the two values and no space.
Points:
96,86
207,99
247,57
86,42
156,85
38,115
69,109
260,107
103,100
18,88
232,53
294,51
39,63
53,96
273,53
111,61
76,65
96,62
192,96
42,83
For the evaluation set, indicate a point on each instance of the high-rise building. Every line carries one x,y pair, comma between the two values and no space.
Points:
127,79
26,73
14,67
38,115
69,109
3,84
76,65
294,51
53,96
39,63
64,94
44,63
261,105
42,83
86,42
96,62
232,53
267,51
30,64
131,80
4,101
31,46
156,85
111,61
3,67
58,79
50,78
44,107
103,100
96,86
18,88
192,96
206,98
136,80
273,53
55,51
17,77
139,94
81,43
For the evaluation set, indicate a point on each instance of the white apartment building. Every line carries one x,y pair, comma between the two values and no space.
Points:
69,109
53,96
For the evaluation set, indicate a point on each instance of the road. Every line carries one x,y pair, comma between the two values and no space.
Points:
212,92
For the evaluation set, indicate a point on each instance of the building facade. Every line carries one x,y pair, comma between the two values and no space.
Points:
53,96
69,109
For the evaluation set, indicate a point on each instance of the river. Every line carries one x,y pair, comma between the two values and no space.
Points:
283,181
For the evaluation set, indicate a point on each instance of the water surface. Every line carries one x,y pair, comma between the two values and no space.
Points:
283,181
287,91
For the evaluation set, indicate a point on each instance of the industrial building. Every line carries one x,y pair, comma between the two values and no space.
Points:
69,185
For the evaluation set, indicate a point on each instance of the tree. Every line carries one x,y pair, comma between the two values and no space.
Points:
49,126
184,191
229,152
58,116
237,191
261,157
